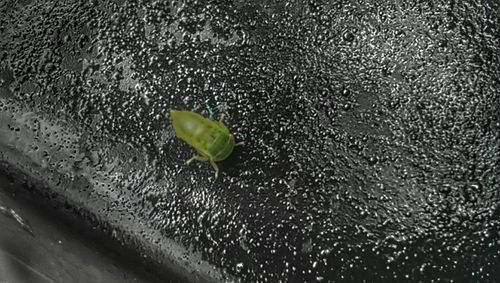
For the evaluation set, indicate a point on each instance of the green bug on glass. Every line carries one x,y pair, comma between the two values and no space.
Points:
212,139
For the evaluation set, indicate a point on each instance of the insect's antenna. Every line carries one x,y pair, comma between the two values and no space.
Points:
211,113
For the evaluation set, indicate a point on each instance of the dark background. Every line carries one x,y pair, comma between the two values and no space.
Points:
372,134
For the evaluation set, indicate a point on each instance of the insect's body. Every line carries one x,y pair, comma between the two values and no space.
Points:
211,139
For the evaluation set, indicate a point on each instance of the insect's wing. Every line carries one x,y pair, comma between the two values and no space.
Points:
222,126
176,117
184,122
191,127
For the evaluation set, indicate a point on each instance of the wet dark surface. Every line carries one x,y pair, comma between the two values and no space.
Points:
37,246
372,133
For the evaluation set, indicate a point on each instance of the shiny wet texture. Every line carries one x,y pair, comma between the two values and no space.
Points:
40,247
372,132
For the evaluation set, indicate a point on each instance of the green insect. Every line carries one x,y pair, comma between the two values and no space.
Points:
212,139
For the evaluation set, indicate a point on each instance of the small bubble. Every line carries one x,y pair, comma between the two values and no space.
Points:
239,267
348,36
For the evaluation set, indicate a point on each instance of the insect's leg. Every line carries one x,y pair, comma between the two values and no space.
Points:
222,116
216,168
240,144
196,157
